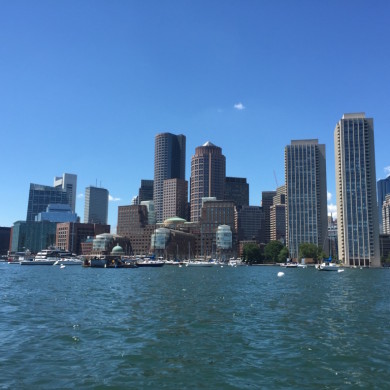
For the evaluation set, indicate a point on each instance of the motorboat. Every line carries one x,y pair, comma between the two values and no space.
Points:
150,263
327,266
199,263
47,257
69,261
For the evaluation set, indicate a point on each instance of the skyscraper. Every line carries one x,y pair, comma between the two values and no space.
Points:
267,200
40,196
306,196
208,172
175,203
383,187
68,182
96,205
145,191
357,212
169,163
237,189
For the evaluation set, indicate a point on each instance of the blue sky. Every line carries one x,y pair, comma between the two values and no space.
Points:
86,85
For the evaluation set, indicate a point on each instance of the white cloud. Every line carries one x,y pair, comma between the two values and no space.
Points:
239,106
387,170
329,196
113,199
332,209
80,195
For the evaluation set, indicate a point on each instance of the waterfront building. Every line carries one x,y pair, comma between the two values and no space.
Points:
57,213
213,214
386,215
278,215
145,192
40,196
70,235
131,219
250,220
32,235
306,195
224,242
237,190
208,172
151,212
103,244
357,212
169,163
267,200
68,182
96,205
383,189
384,245
5,237
175,198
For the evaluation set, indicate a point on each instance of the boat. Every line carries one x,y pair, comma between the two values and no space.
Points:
69,261
47,256
199,263
327,266
289,264
149,263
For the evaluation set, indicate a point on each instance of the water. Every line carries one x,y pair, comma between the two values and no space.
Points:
193,328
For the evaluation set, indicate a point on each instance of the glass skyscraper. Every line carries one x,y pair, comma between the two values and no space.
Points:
306,195
357,212
96,205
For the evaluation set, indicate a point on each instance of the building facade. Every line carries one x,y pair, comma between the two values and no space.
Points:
68,182
175,198
57,213
208,173
386,215
96,205
383,189
145,192
131,219
267,200
237,190
306,195
5,237
40,196
249,223
169,163
70,235
278,216
357,212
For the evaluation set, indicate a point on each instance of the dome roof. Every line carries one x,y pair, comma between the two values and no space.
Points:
117,249
208,143
174,220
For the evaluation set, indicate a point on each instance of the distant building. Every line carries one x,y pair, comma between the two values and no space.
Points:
357,212
267,200
96,205
131,219
175,198
237,190
145,192
40,196
151,212
278,216
68,182
5,236
383,188
70,235
250,221
57,213
208,172
169,163
306,195
386,215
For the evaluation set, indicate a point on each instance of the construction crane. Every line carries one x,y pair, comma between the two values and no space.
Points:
276,180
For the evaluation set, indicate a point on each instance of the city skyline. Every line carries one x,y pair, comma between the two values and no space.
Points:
132,71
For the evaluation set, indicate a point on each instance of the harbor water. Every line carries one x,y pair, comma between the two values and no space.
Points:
193,328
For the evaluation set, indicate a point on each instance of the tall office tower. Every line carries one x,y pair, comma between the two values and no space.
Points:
357,212
278,215
145,191
169,163
68,182
175,198
237,190
41,196
386,215
96,205
267,200
306,196
208,172
383,187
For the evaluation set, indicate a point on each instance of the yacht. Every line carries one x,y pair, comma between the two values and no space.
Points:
47,257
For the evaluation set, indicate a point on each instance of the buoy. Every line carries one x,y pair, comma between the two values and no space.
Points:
62,266
340,270
280,274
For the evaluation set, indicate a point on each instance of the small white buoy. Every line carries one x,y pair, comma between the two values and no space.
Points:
340,270
280,274
62,266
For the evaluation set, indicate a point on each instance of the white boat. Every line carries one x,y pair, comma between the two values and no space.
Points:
47,257
289,265
327,266
198,263
150,263
69,261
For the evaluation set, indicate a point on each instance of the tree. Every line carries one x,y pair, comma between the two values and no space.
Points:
283,255
309,250
272,250
251,253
